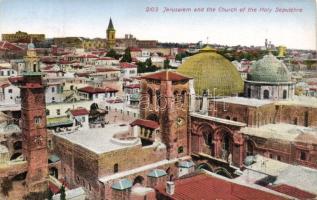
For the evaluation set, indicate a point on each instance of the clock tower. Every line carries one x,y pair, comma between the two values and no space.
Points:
33,118
165,99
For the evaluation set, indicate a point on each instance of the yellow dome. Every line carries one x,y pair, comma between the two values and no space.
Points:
211,70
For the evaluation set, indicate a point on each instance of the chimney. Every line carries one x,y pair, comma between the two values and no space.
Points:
170,187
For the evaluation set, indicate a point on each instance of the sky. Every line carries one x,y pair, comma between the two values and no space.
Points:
90,18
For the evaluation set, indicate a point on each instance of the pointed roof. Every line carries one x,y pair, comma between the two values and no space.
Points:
110,26
166,76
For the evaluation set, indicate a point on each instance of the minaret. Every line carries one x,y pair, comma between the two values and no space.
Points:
34,123
111,35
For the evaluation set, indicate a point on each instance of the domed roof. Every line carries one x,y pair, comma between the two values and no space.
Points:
31,46
269,69
211,70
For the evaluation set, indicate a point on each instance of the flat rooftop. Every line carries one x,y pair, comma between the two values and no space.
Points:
287,132
244,101
100,140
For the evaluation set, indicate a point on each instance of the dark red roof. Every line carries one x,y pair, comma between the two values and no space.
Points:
82,74
146,123
292,191
106,70
106,58
53,188
132,86
93,90
4,45
4,85
203,186
127,65
166,76
79,111
135,49
15,79
88,56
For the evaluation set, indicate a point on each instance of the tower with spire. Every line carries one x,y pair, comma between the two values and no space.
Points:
33,119
111,35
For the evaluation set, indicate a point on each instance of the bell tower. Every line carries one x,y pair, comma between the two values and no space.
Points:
165,99
111,35
34,123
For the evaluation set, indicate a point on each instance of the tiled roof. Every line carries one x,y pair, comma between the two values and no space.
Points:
132,86
88,56
93,90
292,191
127,65
203,186
122,184
106,70
135,49
106,58
166,76
4,45
79,111
186,164
4,85
157,173
82,74
146,123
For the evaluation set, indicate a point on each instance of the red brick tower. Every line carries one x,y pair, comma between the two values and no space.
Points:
34,123
165,99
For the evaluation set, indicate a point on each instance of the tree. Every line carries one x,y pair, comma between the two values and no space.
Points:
148,62
167,64
50,194
126,56
63,194
112,53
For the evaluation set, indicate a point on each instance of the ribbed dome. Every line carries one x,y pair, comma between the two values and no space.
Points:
211,70
269,69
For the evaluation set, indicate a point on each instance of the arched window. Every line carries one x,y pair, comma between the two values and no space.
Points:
176,97
183,96
284,94
150,96
207,134
158,98
228,117
266,94
249,92
115,168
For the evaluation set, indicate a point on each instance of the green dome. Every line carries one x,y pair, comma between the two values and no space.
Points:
269,69
211,70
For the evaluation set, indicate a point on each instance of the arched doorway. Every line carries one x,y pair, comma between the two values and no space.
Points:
223,172
225,145
139,180
54,172
284,94
266,94
204,166
207,132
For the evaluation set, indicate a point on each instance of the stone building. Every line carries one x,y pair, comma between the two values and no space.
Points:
269,78
23,37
